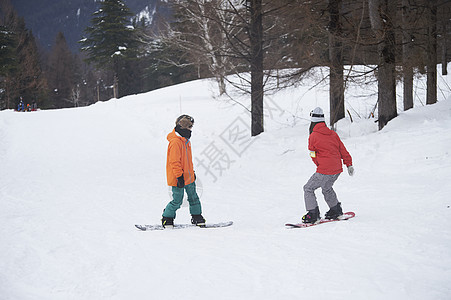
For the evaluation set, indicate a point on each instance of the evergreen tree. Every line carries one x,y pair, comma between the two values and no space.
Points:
22,74
8,64
111,40
29,80
7,55
60,73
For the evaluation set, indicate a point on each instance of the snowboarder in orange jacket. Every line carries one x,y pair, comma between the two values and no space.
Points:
180,173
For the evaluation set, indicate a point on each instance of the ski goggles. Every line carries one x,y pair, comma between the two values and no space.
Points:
316,115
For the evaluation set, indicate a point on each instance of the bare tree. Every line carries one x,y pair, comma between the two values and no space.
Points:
336,79
201,30
407,49
445,28
228,36
75,96
382,16
256,61
431,95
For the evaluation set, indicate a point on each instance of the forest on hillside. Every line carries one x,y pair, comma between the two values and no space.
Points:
257,40
48,17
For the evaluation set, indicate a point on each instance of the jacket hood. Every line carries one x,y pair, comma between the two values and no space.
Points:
322,129
174,135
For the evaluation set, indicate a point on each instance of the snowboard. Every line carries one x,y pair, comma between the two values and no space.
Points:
345,216
180,226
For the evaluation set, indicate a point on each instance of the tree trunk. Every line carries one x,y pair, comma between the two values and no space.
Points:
8,95
116,86
431,94
444,52
117,63
382,14
98,91
220,79
336,81
444,33
256,61
407,68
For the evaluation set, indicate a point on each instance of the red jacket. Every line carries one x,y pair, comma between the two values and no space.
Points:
327,150
179,159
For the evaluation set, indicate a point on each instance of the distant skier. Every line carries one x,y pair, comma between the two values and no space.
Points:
180,173
327,152
21,105
34,106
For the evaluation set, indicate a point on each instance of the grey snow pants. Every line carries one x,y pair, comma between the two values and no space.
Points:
325,182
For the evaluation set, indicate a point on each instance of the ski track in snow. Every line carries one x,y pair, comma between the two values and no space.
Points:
73,183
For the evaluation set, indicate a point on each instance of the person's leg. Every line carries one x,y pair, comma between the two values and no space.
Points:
327,189
309,191
195,207
177,199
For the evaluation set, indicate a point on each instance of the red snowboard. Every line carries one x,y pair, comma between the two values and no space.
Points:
345,216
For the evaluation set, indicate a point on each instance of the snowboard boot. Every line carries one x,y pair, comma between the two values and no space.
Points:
167,222
197,220
312,216
335,212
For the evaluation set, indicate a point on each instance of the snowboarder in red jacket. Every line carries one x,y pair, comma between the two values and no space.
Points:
327,152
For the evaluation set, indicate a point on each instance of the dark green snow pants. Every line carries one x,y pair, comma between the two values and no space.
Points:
195,207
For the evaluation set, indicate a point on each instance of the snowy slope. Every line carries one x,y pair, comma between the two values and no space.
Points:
73,183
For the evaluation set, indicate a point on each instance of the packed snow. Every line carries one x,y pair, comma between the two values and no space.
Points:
74,182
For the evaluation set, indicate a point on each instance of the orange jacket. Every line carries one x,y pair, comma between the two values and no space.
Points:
179,159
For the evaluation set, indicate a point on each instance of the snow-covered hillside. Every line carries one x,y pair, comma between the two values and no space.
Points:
73,183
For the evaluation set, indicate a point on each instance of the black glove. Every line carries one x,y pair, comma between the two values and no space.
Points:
180,182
